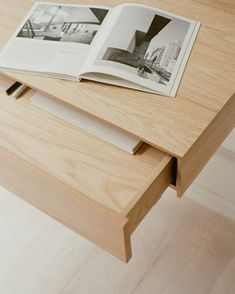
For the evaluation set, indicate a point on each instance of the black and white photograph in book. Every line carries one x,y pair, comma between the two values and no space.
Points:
63,23
152,50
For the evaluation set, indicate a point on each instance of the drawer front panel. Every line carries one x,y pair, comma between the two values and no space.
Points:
87,184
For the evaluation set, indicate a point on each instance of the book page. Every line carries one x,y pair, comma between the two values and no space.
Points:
144,46
54,39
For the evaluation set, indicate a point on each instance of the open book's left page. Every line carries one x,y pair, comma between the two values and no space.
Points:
54,39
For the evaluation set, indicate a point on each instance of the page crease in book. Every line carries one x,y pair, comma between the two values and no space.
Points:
130,45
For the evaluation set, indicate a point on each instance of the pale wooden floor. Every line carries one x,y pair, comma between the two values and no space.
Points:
180,248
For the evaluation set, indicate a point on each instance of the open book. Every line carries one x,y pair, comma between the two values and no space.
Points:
130,45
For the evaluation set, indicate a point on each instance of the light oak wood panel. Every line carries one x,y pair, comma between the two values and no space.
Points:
150,193
74,156
197,157
180,247
171,124
102,226
77,178
177,126
183,126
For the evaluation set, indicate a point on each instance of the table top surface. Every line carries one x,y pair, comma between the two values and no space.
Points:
170,124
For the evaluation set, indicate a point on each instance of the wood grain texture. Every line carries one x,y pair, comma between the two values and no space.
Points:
150,193
96,223
211,139
180,248
189,127
171,124
78,179
75,157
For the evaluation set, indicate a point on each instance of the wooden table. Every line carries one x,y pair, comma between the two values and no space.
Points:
92,187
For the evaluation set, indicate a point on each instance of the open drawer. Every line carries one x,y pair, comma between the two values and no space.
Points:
90,186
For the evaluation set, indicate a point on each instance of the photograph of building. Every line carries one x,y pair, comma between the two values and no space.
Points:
163,59
153,52
63,23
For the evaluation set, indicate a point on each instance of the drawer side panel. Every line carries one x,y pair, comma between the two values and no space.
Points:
98,224
203,149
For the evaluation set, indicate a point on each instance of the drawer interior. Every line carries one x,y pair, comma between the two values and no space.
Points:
119,187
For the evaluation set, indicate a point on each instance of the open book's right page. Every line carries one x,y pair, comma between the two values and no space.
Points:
142,47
